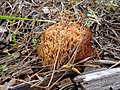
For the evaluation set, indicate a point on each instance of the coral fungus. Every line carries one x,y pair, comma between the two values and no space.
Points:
60,41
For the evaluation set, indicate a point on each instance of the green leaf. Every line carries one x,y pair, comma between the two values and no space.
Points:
34,41
89,23
3,68
18,18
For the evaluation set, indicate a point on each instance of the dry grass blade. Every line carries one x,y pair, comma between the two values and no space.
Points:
117,63
71,61
53,68
57,80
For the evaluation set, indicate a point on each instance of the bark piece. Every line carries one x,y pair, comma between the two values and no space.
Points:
24,86
100,80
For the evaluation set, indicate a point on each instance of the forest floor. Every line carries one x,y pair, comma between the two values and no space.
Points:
19,39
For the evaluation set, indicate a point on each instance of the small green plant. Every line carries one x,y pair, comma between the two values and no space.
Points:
11,55
92,17
6,51
91,14
88,23
109,4
14,40
34,41
3,69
